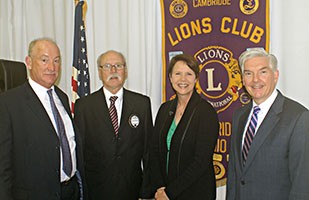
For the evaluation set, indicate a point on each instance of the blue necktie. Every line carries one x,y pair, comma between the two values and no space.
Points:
66,153
250,133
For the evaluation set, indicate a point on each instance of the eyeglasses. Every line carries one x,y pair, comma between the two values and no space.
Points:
108,67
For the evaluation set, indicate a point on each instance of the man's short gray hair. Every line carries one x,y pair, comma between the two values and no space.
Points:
33,43
257,52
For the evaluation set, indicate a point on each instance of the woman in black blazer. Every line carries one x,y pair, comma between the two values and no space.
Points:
185,135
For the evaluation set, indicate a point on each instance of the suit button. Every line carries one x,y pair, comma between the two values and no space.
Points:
57,195
242,182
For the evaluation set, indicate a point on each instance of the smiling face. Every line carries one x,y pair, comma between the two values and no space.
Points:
44,63
112,78
183,79
259,79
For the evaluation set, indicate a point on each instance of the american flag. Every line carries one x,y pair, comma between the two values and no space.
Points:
80,75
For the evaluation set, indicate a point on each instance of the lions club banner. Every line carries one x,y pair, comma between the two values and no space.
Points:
215,32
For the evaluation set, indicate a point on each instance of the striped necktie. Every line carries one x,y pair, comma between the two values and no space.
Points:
113,113
250,133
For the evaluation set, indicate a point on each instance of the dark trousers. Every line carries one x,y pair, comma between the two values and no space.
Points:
70,189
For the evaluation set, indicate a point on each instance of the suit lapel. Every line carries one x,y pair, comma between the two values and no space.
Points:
34,103
193,102
126,110
170,112
103,112
183,123
63,100
239,134
265,129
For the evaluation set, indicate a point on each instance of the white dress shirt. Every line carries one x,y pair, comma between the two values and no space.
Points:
265,106
118,102
42,94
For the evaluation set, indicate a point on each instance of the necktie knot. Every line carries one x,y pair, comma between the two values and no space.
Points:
113,99
256,110
50,92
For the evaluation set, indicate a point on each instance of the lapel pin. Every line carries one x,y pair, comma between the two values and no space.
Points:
134,121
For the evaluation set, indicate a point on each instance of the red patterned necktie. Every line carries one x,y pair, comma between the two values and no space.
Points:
250,133
113,113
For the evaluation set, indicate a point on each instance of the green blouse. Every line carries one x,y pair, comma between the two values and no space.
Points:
170,134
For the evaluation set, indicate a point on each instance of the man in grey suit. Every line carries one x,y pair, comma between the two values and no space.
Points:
115,124
269,155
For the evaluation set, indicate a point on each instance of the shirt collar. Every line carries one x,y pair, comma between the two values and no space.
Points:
265,106
108,94
39,89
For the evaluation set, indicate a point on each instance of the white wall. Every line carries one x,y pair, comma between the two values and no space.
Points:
290,43
133,27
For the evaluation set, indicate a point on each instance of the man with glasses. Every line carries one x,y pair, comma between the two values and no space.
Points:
115,124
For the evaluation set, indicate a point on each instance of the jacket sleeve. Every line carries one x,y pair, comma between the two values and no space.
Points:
5,153
231,172
299,158
156,178
148,130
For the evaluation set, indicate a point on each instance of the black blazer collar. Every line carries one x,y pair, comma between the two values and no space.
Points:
104,113
193,102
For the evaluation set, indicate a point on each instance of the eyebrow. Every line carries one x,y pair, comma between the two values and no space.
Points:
46,56
265,67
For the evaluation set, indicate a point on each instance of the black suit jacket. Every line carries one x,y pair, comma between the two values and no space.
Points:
29,147
191,171
113,164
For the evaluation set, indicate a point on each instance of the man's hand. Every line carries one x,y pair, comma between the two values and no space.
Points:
160,194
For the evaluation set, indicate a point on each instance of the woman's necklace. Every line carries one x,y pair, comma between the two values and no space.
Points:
181,107
181,110
181,113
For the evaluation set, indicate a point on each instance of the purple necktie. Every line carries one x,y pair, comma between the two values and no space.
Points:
113,113
66,153
250,133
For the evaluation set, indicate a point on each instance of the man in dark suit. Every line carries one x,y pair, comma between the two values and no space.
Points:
269,155
114,133
39,150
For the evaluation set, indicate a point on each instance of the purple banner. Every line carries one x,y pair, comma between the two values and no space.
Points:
215,32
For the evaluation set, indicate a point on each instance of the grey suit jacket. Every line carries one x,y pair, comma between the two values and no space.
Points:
277,167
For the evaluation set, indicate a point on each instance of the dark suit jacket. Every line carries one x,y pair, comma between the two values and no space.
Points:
113,164
29,147
278,160
191,171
